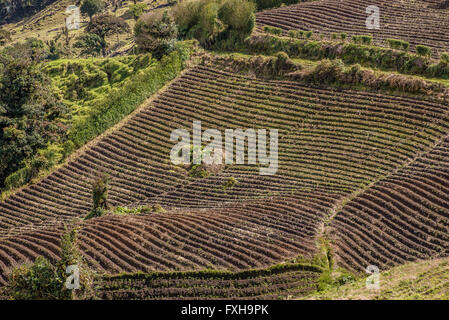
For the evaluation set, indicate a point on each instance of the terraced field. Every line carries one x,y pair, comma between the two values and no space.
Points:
333,144
418,22
403,217
273,283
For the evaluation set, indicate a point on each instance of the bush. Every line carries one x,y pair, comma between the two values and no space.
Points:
398,44
123,100
308,34
272,30
41,280
444,57
91,44
343,36
362,39
100,188
423,50
156,32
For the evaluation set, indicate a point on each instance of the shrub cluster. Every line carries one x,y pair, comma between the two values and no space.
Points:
218,23
398,44
362,39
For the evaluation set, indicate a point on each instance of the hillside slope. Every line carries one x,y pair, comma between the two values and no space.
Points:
423,280
332,144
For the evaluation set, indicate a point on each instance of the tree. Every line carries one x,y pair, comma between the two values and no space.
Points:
100,204
156,32
105,25
91,7
29,114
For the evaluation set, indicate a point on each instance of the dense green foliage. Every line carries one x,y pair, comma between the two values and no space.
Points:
156,32
219,23
29,114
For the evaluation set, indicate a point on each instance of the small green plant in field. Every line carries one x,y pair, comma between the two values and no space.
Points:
424,51
362,39
231,182
343,36
308,34
123,211
398,44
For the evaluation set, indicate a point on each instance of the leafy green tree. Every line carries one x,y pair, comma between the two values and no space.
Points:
156,32
100,188
105,25
91,7
29,114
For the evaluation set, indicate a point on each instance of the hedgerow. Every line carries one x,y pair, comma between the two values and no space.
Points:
350,53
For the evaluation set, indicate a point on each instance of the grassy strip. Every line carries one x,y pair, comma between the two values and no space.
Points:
221,274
